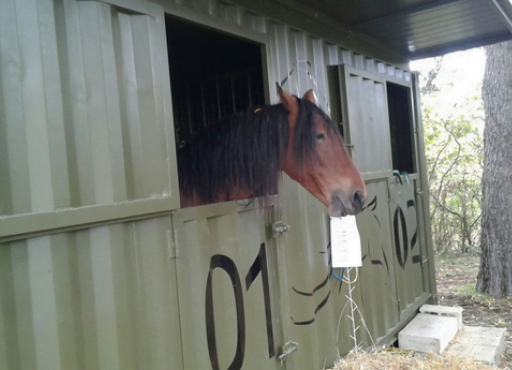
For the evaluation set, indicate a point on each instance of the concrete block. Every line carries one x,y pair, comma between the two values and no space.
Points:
428,333
444,311
481,343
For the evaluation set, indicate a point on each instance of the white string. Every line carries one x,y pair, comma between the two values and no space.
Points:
351,315
353,308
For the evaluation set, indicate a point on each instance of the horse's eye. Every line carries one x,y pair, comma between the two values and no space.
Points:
320,137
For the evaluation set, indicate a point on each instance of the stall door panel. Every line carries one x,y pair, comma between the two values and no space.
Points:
408,254
365,121
310,321
228,287
377,278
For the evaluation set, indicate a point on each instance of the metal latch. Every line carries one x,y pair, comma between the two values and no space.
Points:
351,148
287,350
279,228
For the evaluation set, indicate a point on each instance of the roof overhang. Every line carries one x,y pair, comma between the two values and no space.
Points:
422,28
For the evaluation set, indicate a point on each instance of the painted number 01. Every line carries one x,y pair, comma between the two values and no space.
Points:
225,263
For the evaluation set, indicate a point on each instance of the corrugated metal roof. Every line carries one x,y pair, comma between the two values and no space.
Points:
424,28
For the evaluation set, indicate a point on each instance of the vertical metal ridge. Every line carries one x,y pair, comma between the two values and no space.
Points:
63,34
67,298
146,105
24,305
33,102
130,103
103,289
44,313
113,130
93,38
14,185
9,337
58,160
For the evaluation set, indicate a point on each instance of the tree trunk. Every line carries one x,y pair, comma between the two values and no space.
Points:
495,275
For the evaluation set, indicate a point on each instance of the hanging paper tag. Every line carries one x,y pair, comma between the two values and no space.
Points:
345,242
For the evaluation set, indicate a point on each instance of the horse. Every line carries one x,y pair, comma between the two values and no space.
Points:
243,157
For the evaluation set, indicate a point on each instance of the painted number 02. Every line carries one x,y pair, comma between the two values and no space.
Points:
225,263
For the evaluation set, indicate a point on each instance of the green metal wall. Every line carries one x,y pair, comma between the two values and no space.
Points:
99,269
85,113
99,298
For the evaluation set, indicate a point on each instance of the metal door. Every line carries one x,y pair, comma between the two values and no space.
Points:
365,121
229,289
409,255
377,285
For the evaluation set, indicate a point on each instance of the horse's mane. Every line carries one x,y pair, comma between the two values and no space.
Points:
246,151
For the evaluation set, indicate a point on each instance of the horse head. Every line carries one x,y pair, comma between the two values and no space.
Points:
317,158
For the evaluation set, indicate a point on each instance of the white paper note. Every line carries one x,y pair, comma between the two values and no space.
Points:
345,242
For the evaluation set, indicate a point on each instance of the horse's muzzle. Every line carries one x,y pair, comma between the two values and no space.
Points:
342,204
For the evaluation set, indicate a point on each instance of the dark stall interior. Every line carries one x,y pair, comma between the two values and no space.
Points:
213,75
401,127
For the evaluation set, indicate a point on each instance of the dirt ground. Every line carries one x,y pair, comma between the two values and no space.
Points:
456,277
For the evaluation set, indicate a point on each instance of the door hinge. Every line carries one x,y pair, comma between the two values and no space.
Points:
287,350
279,228
172,244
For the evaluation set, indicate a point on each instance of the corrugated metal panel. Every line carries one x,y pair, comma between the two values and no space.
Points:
366,121
228,277
410,269
84,107
99,298
318,302
309,321
313,307
377,281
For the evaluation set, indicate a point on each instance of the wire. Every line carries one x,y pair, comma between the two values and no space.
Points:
343,278
353,281
340,278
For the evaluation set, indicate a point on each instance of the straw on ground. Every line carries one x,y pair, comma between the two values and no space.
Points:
406,360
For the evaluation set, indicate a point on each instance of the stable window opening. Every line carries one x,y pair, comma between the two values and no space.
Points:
213,76
335,96
401,127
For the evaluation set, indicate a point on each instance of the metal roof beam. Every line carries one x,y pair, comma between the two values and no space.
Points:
504,10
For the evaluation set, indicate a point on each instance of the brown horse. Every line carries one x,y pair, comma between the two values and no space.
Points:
243,156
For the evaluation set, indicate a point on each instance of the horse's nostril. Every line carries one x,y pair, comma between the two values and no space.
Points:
358,200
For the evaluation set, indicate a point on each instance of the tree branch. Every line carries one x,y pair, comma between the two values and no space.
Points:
432,170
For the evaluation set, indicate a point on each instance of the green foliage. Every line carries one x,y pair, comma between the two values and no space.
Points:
454,151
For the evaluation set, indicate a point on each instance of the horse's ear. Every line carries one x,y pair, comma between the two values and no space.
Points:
310,96
288,100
